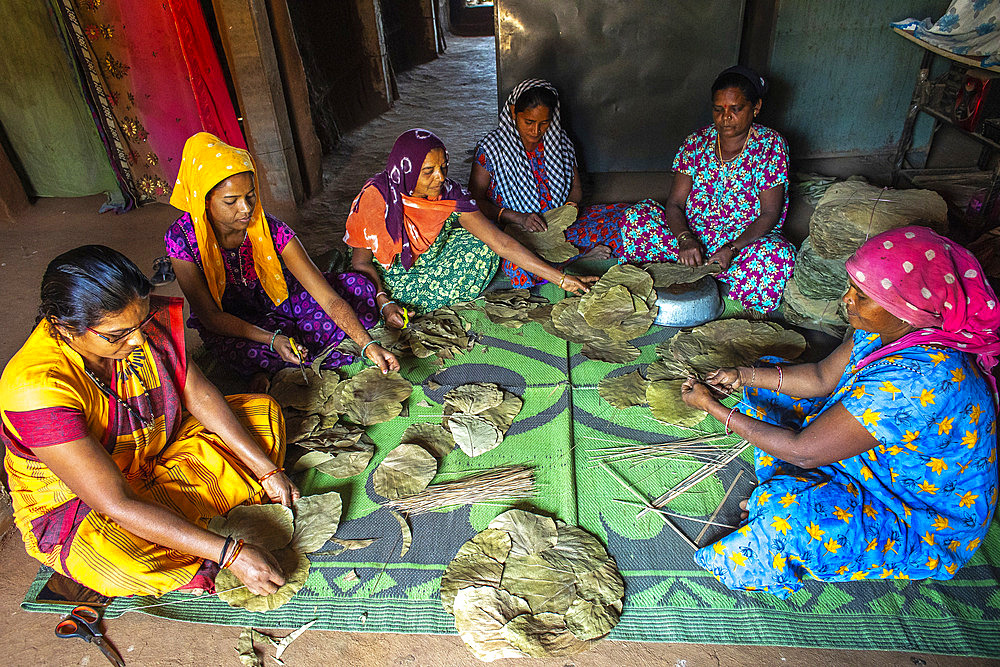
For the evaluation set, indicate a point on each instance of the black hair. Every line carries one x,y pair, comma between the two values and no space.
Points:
752,85
535,97
84,285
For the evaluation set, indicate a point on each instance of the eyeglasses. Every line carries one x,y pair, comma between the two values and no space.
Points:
117,338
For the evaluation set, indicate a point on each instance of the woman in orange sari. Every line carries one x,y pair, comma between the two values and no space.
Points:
426,236
113,482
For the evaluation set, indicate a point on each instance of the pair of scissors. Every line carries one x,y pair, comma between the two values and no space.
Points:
406,318
298,355
83,622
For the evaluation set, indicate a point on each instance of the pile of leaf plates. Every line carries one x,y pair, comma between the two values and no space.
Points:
849,213
370,397
290,390
410,467
341,451
288,534
478,415
530,586
550,244
439,332
668,274
509,307
618,308
818,277
828,315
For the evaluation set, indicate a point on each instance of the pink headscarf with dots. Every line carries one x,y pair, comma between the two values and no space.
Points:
933,284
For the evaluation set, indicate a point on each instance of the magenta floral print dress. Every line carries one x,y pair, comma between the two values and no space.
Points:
724,200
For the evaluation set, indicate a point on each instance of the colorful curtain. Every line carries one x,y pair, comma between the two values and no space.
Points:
968,28
46,122
152,78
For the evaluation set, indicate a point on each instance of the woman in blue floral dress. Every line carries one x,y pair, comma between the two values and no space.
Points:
886,468
727,202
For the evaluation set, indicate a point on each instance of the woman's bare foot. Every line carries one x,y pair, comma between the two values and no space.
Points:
745,514
598,252
259,383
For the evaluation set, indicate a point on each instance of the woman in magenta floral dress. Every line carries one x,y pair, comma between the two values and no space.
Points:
527,166
727,202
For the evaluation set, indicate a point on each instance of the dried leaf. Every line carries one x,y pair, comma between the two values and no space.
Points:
316,520
624,391
340,462
474,434
577,548
299,425
466,572
530,533
481,613
288,639
664,398
550,244
587,620
473,398
406,470
432,437
609,308
725,343
604,585
373,397
542,635
350,545
503,415
244,645
546,584
295,567
269,526
290,390
407,534
611,352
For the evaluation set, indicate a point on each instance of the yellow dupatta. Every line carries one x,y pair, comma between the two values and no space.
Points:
206,162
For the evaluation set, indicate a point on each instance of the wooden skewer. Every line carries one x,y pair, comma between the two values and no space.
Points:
707,522
647,506
696,477
717,509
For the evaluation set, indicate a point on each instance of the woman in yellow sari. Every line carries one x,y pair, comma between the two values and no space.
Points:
112,481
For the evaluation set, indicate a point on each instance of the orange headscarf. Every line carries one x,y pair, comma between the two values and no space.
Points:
205,163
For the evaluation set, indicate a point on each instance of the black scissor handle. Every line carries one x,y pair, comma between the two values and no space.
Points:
70,627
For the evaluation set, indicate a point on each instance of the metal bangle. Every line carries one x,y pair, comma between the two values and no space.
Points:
383,307
363,349
225,548
273,337
735,407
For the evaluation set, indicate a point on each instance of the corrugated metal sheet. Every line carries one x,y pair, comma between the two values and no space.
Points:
633,76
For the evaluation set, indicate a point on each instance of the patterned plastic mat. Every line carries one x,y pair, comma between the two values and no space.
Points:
668,598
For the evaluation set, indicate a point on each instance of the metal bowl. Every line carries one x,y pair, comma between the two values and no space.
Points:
689,304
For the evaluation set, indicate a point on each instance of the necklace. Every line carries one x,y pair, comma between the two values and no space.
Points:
107,391
724,168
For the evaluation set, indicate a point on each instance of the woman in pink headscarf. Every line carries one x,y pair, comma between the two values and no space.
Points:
907,485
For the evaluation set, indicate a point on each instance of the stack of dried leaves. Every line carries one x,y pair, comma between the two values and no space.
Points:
509,307
818,277
618,308
550,244
340,451
849,213
370,397
697,352
479,414
829,316
529,586
288,534
439,332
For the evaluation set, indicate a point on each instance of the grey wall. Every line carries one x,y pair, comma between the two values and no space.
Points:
841,79
633,75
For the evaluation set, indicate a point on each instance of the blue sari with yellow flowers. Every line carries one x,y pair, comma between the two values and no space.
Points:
916,506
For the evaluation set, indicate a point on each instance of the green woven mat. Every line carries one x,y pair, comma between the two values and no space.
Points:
668,598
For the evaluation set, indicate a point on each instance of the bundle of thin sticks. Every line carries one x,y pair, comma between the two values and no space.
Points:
700,448
726,457
511,483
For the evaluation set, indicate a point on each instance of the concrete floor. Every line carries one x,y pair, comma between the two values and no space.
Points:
55,225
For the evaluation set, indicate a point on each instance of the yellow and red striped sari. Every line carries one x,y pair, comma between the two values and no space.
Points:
47,399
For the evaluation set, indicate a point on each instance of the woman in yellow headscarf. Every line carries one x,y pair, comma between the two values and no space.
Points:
251,285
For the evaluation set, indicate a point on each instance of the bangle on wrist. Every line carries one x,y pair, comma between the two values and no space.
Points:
270,345
562,281
733,249
232,557
381,293
778,390
753,376
225,548
269,475
365,348
500,215
735,407
384,305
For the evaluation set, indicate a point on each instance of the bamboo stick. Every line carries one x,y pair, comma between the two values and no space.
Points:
645,502
717,509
